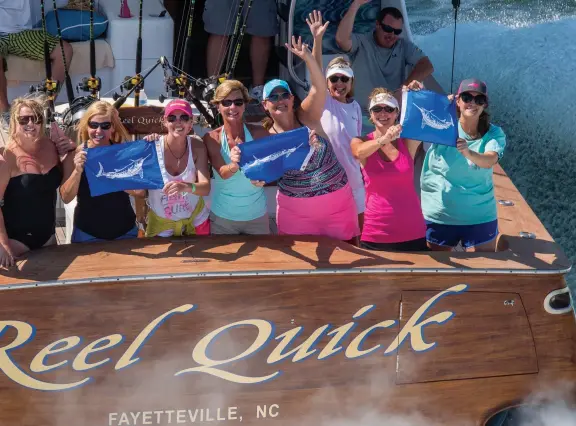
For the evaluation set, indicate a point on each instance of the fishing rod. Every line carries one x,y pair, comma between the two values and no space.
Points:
119,100
48,86
237,42
68,81
91,84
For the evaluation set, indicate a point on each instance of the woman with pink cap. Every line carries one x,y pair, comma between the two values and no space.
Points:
393,219
342,115
457,188
178,209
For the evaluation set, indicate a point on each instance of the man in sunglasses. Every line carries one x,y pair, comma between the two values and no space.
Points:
381,58
18,38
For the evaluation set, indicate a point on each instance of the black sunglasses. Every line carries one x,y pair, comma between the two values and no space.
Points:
105,125
172,118
275,97
25,119
342,78
389,29
228,102
478,99
386,108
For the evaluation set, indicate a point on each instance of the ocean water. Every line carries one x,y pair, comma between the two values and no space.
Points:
525,52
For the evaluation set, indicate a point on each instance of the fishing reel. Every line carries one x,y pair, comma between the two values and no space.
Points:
76,111
210,85
179,83
130,84
48,87
90,84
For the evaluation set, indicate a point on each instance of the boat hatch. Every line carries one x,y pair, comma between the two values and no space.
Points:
488,336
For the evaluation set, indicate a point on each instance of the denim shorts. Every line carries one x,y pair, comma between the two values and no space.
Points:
79,236
469,235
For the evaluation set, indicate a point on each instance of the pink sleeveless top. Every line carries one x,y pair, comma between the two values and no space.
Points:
393,213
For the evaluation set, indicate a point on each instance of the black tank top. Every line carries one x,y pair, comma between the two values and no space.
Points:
107,216
30,207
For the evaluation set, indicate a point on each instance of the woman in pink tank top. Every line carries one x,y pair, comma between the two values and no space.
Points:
393,217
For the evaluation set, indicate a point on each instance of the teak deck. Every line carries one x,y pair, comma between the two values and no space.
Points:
282,330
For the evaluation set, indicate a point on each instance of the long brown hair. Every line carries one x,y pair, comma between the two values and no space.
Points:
483,121
102,108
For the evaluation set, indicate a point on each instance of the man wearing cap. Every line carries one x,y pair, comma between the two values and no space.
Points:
381,58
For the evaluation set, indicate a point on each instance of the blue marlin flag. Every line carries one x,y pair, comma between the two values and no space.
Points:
121,167
429,117
268,158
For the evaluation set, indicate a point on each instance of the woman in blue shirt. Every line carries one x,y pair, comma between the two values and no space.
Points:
458,199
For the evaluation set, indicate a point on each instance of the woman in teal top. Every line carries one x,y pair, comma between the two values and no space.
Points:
237,205
457,195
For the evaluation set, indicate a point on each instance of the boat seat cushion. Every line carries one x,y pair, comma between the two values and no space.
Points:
22,70
75,24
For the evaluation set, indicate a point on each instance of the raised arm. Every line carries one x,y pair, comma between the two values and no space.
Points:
73,166
317,30
362,149
202,167
312,106
224,170
344,32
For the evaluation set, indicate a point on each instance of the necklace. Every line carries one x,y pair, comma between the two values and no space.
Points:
177,158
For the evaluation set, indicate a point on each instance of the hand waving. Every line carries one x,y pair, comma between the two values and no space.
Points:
299,49
314,21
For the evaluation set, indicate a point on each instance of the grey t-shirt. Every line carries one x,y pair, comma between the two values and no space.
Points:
376,66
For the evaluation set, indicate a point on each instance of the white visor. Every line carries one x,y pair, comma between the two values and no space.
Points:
340,69
384,99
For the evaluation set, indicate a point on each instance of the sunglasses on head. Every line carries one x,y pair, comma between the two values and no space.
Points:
228,102
172,118
384,108
25,119
106,125
342,78
389,29
275,97
478,99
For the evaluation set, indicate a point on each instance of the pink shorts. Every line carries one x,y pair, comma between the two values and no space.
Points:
332,215
203,228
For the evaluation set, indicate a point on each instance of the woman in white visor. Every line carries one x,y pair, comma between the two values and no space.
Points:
342,116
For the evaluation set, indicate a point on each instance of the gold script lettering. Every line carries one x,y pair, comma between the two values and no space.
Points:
301,351
37,365
207,365
81,361
24,334
127,359
414,329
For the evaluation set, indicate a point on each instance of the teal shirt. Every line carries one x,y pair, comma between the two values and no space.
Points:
455,191
236,198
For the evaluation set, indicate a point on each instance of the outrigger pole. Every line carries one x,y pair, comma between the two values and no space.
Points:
456,5
68,81
93,83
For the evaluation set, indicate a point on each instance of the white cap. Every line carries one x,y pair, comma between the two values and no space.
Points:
384,99
339,69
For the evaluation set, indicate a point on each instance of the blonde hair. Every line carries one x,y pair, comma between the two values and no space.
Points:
102,108
227,87
36,104
340,61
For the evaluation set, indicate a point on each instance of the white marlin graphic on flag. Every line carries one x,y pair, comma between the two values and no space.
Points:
271,157
136,167
430,120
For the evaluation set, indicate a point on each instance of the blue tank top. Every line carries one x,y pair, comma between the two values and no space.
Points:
236,198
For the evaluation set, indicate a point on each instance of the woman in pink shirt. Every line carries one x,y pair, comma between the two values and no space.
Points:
393,217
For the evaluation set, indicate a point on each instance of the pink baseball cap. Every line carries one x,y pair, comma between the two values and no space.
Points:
178,105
